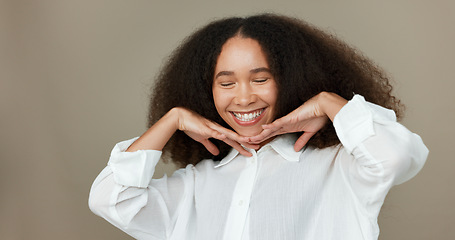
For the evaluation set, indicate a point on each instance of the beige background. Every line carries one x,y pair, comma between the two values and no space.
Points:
74,80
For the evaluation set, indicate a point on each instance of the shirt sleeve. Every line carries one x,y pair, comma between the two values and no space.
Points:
378,152
125,194
382,148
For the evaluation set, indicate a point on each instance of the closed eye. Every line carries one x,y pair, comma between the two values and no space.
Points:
226,84
262,80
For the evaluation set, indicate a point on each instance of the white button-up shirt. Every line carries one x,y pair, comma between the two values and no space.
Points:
318,194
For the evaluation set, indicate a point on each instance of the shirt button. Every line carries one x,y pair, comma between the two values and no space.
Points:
240,202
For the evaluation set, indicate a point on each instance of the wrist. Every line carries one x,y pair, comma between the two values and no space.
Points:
330,104
156,137
173,117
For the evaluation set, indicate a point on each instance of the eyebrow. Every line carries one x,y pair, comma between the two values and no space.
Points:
230,73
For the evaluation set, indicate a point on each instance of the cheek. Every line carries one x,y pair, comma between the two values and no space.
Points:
274,93
219,101
270,95
221,104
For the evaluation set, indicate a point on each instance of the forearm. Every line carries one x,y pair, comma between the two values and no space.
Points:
156,137
140,211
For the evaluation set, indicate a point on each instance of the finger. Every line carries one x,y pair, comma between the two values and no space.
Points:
228,133
302,140
234,137
238,147
239,140
230,137
264,135
278,123
213,133
250,145
210,147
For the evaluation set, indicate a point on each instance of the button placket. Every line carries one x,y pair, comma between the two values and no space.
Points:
238,212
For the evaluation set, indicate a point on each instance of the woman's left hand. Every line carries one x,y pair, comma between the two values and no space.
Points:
309,118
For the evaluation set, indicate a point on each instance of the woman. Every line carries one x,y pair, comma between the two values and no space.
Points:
255,110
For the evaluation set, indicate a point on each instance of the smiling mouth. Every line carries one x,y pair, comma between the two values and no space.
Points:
249,116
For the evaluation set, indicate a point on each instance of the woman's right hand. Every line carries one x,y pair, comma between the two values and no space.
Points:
201,130
195,126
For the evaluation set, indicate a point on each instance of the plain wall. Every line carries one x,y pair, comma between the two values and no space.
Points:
75,79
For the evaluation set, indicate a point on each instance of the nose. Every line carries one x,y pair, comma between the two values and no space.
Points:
245,95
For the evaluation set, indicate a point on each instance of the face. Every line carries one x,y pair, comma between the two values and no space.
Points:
244,90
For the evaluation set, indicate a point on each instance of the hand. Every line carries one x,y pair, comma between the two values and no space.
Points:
309,118
201,129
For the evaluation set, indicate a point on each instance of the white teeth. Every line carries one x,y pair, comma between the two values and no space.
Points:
246,117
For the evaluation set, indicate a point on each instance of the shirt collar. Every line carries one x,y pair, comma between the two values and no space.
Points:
231,155
283,145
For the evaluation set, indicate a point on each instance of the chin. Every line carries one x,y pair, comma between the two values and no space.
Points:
249,132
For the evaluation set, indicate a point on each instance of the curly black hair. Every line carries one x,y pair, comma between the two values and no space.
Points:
303,59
